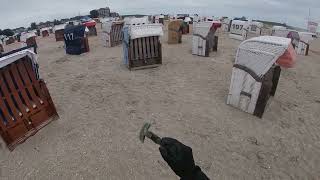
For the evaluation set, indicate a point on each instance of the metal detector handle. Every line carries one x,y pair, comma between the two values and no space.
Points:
156,139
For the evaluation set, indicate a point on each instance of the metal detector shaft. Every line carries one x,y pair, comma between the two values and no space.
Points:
156,139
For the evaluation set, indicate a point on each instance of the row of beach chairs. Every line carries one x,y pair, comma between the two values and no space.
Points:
26,105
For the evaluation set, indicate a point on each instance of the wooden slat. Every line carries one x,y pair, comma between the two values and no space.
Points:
152,47
112,36
116,39
145,67
115,31
115,34
10,102
32,75
25,107
109,44
145,55
131,46
140,48
118,34
29,68
8,96
204,45
200,44
14,90
6,113
25,68
194,45
16,76
147,39
156,48
136,52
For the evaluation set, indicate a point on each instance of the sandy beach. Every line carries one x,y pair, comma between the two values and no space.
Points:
102,106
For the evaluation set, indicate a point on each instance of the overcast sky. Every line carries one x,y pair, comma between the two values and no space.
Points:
16,13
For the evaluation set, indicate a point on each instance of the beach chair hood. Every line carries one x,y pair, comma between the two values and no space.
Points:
260,53
145,30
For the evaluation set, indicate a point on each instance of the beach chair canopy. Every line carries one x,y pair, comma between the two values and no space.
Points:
255,26
175,25
44,29
307,37
91,23
145,30
59,27
279,28
203,28
238,27
6,60
107,19
136,21
260,53
25,36
106,26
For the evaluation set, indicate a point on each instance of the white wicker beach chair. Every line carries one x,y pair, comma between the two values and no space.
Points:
255,74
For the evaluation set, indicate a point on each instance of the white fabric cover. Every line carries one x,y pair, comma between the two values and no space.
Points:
25,36
44,29
306,36
242,81
225,24
239,27
238,37
259,24
280,32
106,26
302,48
279,28
196,19
145,30
260,53
202,28
255,27
187,19
58,27
4,61
107,19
